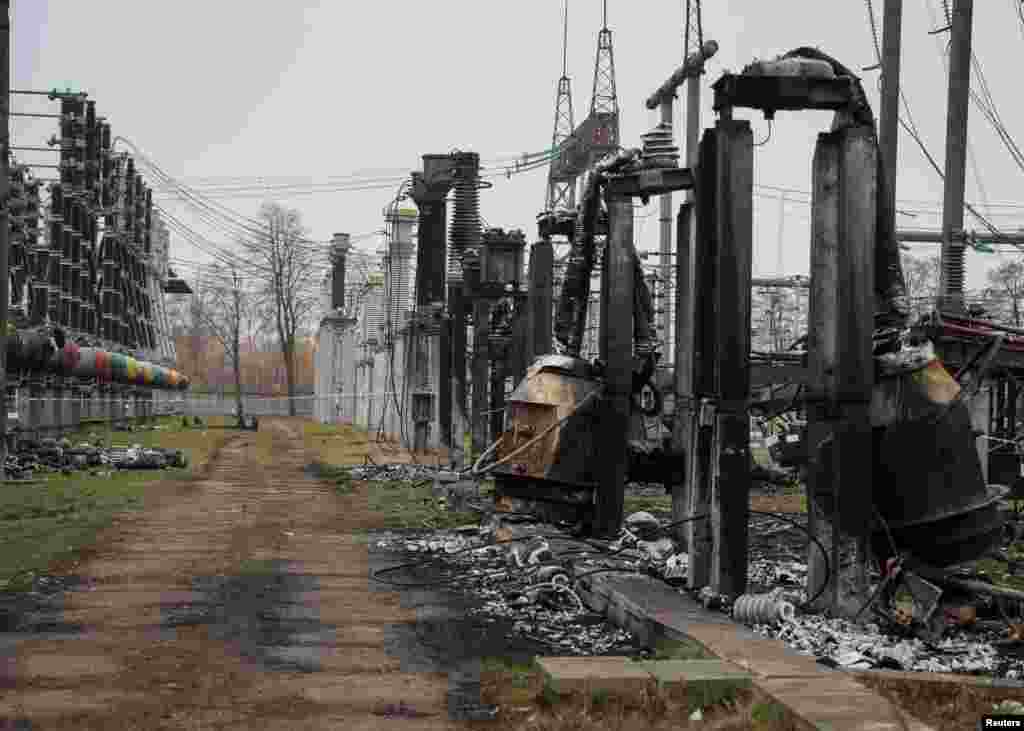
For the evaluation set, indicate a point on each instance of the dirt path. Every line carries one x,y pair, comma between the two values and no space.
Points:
240,601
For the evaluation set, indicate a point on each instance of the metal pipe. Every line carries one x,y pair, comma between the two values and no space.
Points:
691,67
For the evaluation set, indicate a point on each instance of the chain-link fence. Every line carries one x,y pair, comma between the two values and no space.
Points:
205,405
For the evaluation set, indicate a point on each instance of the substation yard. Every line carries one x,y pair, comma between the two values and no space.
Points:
264,587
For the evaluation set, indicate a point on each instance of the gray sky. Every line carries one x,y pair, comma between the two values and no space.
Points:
307,90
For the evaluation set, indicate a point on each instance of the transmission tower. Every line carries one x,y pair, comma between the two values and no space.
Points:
561,193
693,33
604,102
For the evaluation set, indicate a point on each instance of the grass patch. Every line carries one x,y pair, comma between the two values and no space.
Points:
680,650
401,504
340,477
57,515
649,503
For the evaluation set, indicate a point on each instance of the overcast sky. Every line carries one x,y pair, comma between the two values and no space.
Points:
223,92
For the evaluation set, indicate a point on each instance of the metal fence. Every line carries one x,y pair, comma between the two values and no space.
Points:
217,405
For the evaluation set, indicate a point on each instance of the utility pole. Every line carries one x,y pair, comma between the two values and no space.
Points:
665,235
890,112
5,221
953,246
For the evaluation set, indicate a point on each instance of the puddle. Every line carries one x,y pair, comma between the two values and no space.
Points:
446,636
262,612
40,609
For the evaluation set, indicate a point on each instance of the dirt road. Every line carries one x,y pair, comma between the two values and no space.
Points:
239,600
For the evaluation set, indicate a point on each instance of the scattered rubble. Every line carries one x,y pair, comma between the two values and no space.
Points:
52,455
525,582
518,576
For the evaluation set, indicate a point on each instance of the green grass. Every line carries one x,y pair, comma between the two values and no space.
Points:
56,515
506,665
996,570
650,504
340,476
410,505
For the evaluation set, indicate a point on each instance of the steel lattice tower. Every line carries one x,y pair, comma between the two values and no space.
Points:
604,99
693,35
562,193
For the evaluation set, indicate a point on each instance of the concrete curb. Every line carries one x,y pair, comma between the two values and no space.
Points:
820,697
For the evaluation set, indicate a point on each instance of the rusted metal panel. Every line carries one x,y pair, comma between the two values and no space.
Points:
552,391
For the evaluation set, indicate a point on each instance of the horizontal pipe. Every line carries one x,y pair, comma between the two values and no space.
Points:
935,237
692,66
37,352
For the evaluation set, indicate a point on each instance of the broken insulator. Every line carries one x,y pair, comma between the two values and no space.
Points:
763,609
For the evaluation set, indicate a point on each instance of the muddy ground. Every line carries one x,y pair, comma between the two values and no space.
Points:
238,600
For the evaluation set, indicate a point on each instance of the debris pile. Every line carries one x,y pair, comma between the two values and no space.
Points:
52,455
396,472
838,643
525,571
527,582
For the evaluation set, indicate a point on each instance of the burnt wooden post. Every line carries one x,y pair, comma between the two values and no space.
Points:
700,465
822,322
617,349
841,365
856,376
480,377
496,407
730,494
542,258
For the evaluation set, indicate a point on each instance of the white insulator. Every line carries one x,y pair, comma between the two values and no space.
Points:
762,609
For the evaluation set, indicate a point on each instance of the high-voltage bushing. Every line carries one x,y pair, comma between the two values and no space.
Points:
466,229
659,149
771,608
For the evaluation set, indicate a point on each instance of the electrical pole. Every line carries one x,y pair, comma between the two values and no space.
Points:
5,221
890,112
952,275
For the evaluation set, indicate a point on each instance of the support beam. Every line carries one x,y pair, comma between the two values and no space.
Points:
664,318
542,259
889,122
617,321
730,495
683,428
822,337
856,366
496,407
479,380
952,274
686,426
701,467
841,369
460,421
5,221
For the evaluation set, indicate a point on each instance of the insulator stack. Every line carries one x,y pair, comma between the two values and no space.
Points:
466,229
954,269
658,147
762,609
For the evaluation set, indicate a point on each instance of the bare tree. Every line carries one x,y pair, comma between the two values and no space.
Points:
1007,281
225,308
922,279
283,261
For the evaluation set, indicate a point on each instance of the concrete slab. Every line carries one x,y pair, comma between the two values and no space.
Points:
762,657
820,696
617,675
